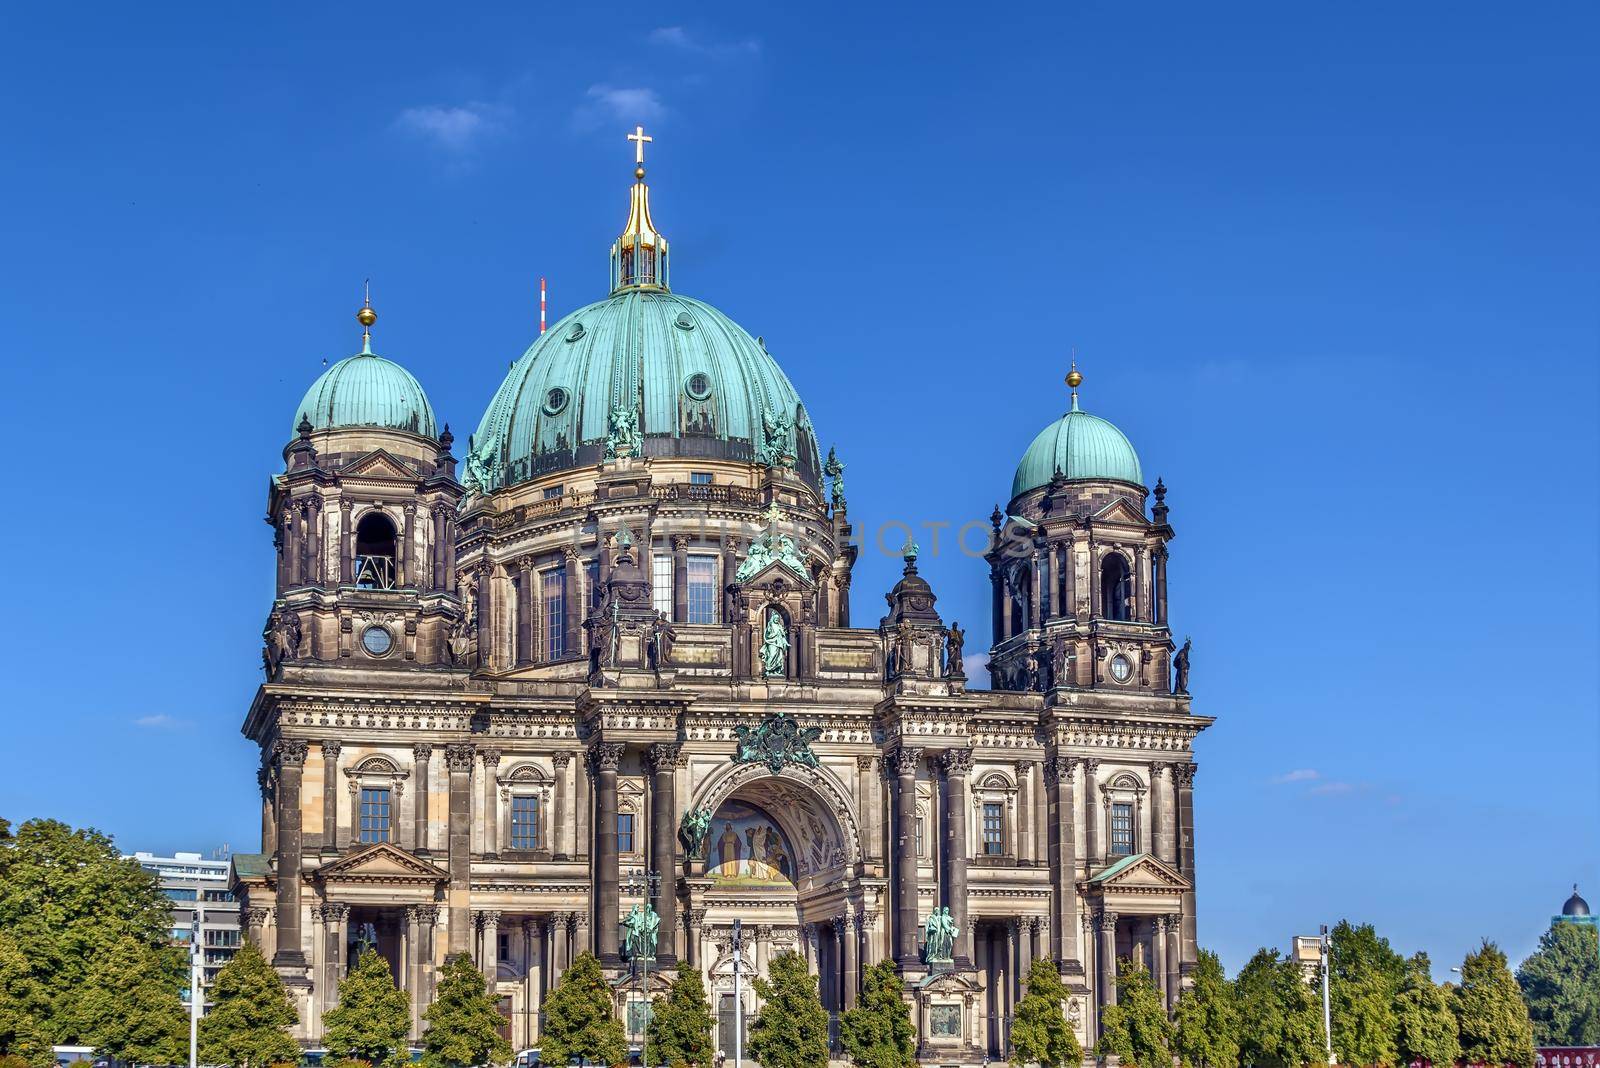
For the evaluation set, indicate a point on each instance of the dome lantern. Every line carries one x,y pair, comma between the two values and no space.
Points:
639,256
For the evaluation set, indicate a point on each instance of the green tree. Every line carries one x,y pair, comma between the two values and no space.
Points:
23,1002
792,1028
1366,976
372,1018
1039,1029
877,1033
247,1025
1281,1014
131,1006
67,899
463,1021
1425,1027
1206,1021
1136,1030
1490,1013
580,1020
679,1031
1561,984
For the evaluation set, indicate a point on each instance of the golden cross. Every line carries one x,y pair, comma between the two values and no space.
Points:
639,138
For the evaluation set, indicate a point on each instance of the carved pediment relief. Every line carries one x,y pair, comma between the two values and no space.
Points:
1120,510
381,862
379,464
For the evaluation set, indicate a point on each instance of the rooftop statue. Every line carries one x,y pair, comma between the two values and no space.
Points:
624,438
777,440
774,646
834,470
693,828
939,937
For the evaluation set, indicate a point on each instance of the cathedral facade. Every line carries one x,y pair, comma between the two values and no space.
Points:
606,662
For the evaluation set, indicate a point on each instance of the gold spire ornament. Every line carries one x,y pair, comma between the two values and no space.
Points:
1074,380
639,257
366,317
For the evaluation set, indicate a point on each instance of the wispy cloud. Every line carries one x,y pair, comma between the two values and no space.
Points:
159,722
453,128
604,104
1297,775
1329,789
682,39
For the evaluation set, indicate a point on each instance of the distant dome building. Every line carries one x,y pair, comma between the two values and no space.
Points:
611,665
1576,910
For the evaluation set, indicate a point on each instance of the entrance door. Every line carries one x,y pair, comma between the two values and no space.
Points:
725,1025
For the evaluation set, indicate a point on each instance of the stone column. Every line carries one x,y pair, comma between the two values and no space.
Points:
664,848
408,550
1091,815
571,602
491,806
1158,958
485,580
1036,602
1060,772
330,795
414,956
680,578
291,544
957,765
1091,970
1174,925
531,999
555,935
335,925
1160,606
1108,958
851,926
421,758
524,653
489,959
605,757
1185,812
1053,577
559,828
869,803
1141,584
813,948
1024,955
869,934
1024,828
290,958
904,763
730,567
459,758
269,818
696,920
347,543
440,578
448,582
1164,818
428,921
843,580
1011,957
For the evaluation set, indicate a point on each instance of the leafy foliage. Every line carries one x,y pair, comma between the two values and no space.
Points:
1206,1027
23,1002
1425,1028
580,1020
1561,984
372,1018
69,904
1281,1014
463,1021
1136,1030
792,1028
1490,1014
679,1032
1039,1030
877,1033
247,1025
1366,976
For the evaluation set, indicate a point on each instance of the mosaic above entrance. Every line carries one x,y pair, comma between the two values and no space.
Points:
747,848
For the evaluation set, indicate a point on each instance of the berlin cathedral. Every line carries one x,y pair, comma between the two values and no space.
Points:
606,660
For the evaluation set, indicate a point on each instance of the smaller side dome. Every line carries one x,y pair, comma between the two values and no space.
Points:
1080,446
367,390
1575,906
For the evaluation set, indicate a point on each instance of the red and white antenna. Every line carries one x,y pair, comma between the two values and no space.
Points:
541,304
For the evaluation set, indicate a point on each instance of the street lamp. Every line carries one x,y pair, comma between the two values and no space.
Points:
1327,1015
649,885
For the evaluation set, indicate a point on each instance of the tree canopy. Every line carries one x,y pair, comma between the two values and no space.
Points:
580,1020
1206,1022
463,1021
1425,1027
1039,1029
1136,1030
1490,1014
1561,984
1281,1013
679,1031
247,1025
877,1033
791,1031
1366,975
372,1019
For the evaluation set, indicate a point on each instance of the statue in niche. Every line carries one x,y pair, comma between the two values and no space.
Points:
1180,667
662,635
291,635
462,637
774,646
614,635
777,444
692,830
953,667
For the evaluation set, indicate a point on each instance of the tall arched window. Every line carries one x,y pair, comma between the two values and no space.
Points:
375,552
1116,587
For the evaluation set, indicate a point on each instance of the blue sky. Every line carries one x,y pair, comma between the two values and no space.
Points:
1332,267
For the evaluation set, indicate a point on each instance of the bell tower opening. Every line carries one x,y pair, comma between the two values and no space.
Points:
375,552
1115,587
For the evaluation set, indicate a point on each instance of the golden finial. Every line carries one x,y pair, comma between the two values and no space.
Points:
1074,379
640,139
366,316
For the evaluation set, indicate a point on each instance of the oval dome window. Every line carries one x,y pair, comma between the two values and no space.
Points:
683,322
698,385
576,332
555,401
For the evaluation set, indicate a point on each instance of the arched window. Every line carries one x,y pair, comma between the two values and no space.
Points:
375,552
1116,587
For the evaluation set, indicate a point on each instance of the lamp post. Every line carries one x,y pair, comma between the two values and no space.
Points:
195,961
1327,1014
648,886
738,1002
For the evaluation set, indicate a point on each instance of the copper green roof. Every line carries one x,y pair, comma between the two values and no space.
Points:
1118,868
1080,446
367,390
251,865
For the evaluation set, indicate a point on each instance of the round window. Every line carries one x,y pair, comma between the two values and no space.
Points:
1121,668
683,322
555,400
698,385
377,641
575,332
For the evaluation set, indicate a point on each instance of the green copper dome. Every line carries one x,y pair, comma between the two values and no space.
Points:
1080,446
697,383
367,390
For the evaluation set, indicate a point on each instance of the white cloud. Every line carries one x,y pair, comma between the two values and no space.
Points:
976,665
629,105
680,38
1330,788
452,128
159,722
1297,775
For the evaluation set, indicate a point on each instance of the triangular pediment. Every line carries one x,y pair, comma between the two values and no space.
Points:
379,463
1120,510
777,569
381,862
951,982
1140,873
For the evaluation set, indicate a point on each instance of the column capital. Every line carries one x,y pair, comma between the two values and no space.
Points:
460,756
606,756
1161,924
866,763
426,913
256,915
956,763
1107,920
695,918
904,760
1059,768
335,911
488,917
560,759
491,758
290,753
1185,773
422,751
330,749
663,756
680,542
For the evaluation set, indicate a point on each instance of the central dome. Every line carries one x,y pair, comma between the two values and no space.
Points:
699,382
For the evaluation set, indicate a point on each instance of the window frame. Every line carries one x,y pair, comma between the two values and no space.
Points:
661,582
992,828
712,603
535,840
553,639
367,797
